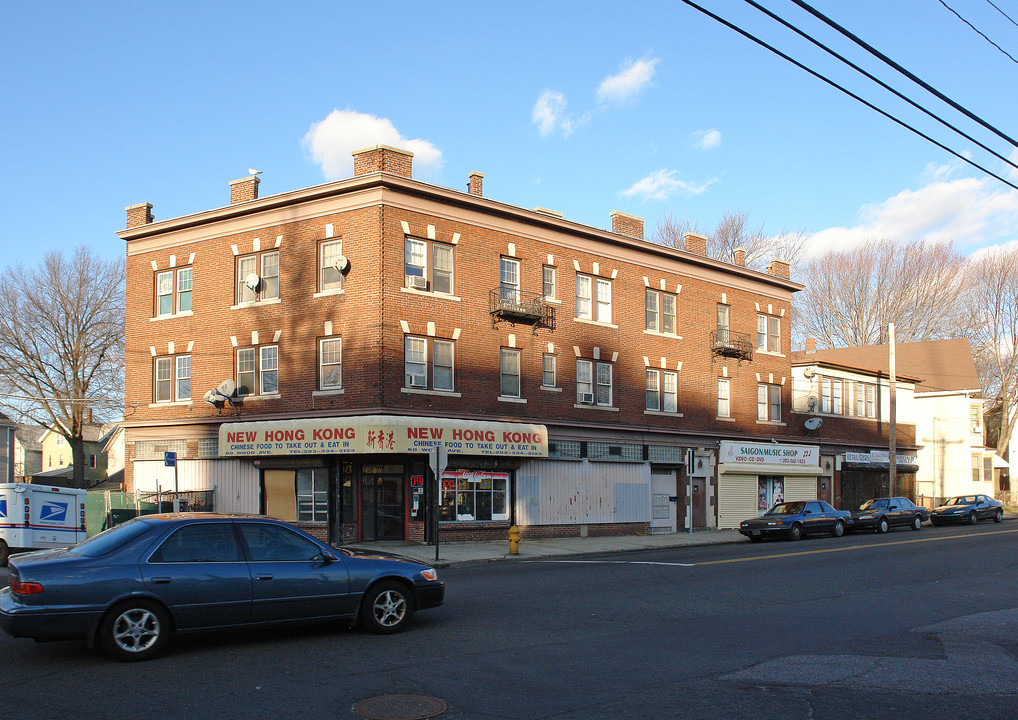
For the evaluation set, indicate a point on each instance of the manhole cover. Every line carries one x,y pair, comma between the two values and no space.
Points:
400,707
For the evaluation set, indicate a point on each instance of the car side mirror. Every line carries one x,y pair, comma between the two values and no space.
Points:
325,557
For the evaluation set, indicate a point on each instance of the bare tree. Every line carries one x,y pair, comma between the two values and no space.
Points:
991,301
852,295
62,344
734,231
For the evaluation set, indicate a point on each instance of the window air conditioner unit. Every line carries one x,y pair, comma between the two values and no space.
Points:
586,398
416,381
417,282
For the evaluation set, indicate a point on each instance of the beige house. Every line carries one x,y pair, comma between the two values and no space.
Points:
56,455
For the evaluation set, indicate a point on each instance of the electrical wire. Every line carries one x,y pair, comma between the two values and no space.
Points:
923,84
978,31
879,82
848,92
1003,13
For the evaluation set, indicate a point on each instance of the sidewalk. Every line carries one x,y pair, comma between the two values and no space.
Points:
469,553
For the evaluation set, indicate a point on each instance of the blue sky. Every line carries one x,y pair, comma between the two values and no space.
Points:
649,108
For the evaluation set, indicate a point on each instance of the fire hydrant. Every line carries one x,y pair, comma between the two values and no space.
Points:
514,540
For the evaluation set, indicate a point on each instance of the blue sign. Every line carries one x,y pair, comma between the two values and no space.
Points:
53,512
170,459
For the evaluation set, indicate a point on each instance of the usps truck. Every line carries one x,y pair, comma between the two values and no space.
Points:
36,517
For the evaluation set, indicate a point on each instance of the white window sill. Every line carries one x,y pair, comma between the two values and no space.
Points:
256,303
769,353
550,388
664,413
605,408
424,391
326,393
586,321
186,313
329,293
258,398
176,403
670,336
552,300
725,418
429,293
773,423
506,398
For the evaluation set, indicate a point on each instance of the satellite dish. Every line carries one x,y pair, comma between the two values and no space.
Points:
210,397
342,264
813,423
812,402
809,372
226,388
253,281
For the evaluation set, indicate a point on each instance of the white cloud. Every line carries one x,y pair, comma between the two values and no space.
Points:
971,212
549,114
662,184
332,140
707,139
633,77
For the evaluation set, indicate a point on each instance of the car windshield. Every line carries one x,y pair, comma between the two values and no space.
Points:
787,508
874,504
109,540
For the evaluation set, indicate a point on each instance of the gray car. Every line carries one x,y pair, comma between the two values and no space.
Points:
129,588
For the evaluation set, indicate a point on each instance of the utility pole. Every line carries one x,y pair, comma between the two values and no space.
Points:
892,450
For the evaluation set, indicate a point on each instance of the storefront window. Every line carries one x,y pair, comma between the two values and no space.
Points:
771,490
312,495
475,495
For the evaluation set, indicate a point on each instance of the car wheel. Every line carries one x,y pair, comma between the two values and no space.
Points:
917,522
882,525
973,518
5,553
934,523
998,516
839,529
134,630
387,608
795,532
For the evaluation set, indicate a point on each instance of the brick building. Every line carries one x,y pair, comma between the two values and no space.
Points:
359,356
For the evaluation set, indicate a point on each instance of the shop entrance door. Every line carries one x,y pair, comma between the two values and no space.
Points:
382,507
699,502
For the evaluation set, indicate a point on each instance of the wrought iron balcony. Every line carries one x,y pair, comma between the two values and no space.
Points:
725,343
518,307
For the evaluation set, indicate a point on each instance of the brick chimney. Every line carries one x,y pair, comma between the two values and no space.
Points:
778,268
628,225
382,158
811,346
244,189
476,180
140,214
696,244
740,256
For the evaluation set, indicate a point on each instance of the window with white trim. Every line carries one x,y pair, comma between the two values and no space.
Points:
660,312
258,370
977,467
768,333
436,277
442,372
172,378
258,277
330,275
312,495
330,363
724,398
548,282
768,402
662,390
548,375
509,373
831,390
509,279
724,313
269,369
415,363
596,306
594,383
474,496
976,418
441,275
173,291
183,378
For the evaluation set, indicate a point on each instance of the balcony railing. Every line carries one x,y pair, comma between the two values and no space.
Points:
518,307
725,343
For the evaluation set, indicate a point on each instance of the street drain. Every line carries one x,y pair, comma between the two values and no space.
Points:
400,707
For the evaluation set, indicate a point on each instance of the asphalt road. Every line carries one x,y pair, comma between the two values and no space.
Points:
905,625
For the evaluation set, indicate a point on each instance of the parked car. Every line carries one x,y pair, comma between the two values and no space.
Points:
968,509
129,588
796,519
881,514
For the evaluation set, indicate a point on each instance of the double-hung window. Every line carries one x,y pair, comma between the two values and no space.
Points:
415,262
768,402
330,275
548,378
593,298
269,369
258,371
509,280
442,373
723,323
509,373
312,495
662,391
330,363
976,418
768,333
441,274
660,312
548,282
415,363
258,277
173,291
831,396
419,276
593,383
724,398
173,378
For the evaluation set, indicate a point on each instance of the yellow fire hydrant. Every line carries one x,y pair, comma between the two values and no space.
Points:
514,540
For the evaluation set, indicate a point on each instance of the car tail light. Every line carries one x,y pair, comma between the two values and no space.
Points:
24,588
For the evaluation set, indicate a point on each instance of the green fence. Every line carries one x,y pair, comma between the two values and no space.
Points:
106,508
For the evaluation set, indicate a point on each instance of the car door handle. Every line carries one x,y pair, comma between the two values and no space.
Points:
160,580
263,576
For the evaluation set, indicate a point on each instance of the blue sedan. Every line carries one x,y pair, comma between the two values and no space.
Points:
794,520
129,588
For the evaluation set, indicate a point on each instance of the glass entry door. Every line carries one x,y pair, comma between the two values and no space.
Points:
382,506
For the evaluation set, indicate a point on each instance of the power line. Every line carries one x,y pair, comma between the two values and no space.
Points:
878,81
924,85
1003,13
978,30
848,92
